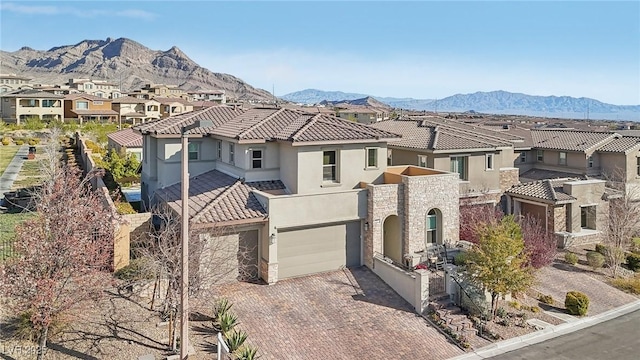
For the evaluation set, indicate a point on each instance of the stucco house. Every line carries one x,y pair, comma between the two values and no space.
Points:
85,107
482,158
173,106
309,192
12,82
126,141
135,111
362,115
20,105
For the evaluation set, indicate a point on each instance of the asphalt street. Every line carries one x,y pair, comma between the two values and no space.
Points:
614,339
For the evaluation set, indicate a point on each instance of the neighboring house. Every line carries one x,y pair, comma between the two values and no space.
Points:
216,96
306,192
149,91
173,106
136,111
12,82
56,89
126,141
575,210
362,115
99,88
20,105
199,105
482,158
85,107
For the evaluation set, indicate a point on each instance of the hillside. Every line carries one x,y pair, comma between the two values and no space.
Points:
496,102
122,60
368,102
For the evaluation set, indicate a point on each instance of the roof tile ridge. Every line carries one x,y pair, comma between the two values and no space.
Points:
261,122
312,120
480,135
188,116
548,183
217,200
361,128
609,139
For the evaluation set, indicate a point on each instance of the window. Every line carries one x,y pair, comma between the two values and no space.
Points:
390,157
489,161
422,161
48,103
82,105
459,165
256,159
231,153
540,155
372,157
432,227
638,166
563,158
194,150
523,157
590,161
588,217
219,150
329,166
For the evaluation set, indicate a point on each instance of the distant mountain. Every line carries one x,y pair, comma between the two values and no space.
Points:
122,60
496,102
363,102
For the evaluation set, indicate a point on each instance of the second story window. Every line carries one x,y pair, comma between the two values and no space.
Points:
194,151
48,103
372,158
219,150
489,161
562,160
82,105
459,165
256,159
523,157
232,149
540,155
329,166
422,161
590,161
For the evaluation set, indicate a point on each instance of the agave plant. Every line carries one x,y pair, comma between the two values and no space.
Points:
246,353
227,322
220,308
235,340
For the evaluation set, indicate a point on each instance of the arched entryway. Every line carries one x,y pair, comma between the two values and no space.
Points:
392,238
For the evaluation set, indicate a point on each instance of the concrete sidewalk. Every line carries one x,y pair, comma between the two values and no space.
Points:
11,172
548,333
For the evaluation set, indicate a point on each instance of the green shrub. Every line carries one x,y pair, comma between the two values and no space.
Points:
631,285
595,259
534,309
576,303
635,246
34,123
6,141
571,258
19,142
633,261
246,353
123,208
602,249
516,305
227,322
137,269
222,306
460,259
33,142
235,340
546,299
501,312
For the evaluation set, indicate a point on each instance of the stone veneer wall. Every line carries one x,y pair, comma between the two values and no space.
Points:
383,201
508,178
423,193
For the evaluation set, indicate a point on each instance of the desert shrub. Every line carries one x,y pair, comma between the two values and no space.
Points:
501,312
595,259
138,269
6,141
546,299
576,303
534,309
246,353
602,249
571,258
460,259
24,329
516,305
631,285
19,142
34,123
635,244
123,208
633,261
34,141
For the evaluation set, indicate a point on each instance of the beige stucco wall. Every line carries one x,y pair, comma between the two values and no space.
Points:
12,110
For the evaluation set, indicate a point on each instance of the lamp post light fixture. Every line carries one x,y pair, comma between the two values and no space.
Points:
184,263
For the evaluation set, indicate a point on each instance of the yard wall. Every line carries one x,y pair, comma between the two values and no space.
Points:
121,236
412,286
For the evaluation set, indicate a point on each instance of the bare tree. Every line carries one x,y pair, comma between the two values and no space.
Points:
217,255
64,252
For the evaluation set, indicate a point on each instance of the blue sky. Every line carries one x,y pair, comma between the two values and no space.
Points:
420,49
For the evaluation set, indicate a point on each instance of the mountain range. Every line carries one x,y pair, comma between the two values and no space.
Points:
493,102
125,61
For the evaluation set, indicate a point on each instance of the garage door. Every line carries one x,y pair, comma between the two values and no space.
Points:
313,250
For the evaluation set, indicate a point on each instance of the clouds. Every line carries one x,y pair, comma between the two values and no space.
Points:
80,11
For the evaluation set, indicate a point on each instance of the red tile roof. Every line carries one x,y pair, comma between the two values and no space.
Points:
127,138
549,191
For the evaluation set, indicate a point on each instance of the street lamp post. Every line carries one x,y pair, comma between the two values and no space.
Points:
184,263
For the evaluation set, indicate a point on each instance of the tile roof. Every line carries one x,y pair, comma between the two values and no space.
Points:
166,100
570,140
542,174
130,100
31,94
95,112
621,145
127,138
268,124
75,96
550,191
443,134
215,197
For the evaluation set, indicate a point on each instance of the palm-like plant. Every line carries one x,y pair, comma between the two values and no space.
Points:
227,322
235,340
247,353
221,307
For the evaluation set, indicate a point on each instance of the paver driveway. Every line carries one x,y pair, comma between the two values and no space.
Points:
349,314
